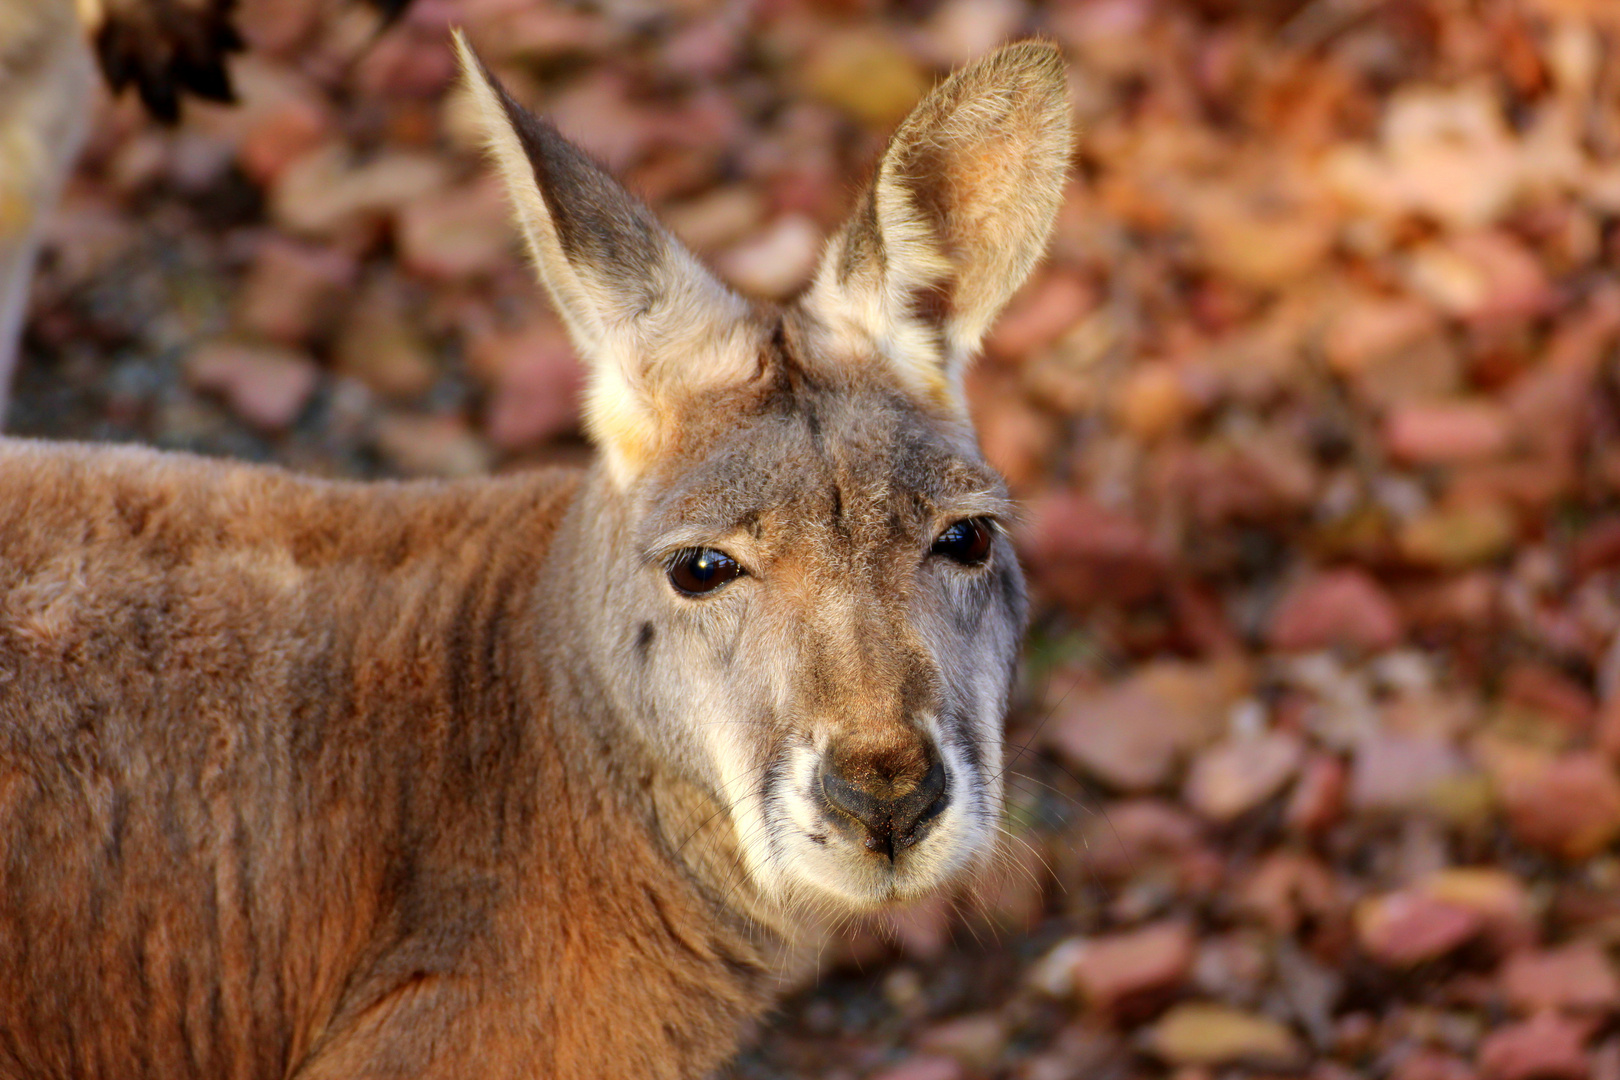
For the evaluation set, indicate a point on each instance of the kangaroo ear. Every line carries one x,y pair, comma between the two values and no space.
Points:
650,322
957,216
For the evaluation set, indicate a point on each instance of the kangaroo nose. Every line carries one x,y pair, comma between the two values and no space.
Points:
892,811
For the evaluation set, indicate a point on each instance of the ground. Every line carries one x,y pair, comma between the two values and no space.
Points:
1312,410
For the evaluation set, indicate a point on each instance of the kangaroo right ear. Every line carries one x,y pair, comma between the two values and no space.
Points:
957,216
649,320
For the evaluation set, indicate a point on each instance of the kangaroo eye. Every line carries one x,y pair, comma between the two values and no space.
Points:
696,571
966,542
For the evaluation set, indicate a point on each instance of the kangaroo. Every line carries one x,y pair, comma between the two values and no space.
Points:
556,774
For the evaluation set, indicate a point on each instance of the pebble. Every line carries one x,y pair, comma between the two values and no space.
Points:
536,383
265,385
1345,608
1578,976
1446,433
1402,773
1545,1047
1569,808
923,1067
1455,537
1110,969
1407,927
976,1041
432,446
1229,780
1133,734
778,261
866,74
1198,1033
457,233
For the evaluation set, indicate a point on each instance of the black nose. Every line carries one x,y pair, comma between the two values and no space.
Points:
889,812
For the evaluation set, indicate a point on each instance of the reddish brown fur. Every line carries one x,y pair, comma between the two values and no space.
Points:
349,842
320,780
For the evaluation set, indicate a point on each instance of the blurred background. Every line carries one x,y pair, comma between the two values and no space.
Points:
1313,411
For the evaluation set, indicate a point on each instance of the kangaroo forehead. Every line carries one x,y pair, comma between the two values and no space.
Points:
858,462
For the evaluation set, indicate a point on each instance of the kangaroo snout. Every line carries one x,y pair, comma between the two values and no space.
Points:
886,807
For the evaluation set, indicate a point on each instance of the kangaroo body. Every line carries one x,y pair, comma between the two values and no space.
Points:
331,816
559,775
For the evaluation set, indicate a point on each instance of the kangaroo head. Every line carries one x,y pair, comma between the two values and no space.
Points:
796,581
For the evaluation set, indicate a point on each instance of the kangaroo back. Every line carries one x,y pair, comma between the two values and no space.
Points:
551,775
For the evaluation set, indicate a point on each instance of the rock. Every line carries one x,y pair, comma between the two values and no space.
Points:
1547,692
975,1041
456,233
1040,313
864,73
1453,537
717,218
1429,1064
778,261
1407,927
1257,239
1318,799
1131,833
280,134
1499,898
1446,433
1544,1047
291,288
265,385
537,382
1229,780
379,345
1112,969
1576,977
923,1067
1133,734
1152,401
431,446
326,192
1198,1033
1402,773
1569,808
1080,552
1344,608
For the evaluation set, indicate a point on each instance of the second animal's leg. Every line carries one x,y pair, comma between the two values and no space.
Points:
46,82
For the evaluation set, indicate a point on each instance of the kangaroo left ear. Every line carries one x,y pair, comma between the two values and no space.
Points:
651,324
956,218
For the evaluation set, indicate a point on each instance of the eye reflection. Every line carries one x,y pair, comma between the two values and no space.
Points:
966,542
697,571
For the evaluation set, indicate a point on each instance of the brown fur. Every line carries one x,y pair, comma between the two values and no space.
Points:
317,779
282,790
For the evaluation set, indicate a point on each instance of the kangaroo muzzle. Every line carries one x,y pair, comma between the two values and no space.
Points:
884,808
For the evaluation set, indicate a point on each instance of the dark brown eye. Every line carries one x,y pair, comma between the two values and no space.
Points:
696,571
966,542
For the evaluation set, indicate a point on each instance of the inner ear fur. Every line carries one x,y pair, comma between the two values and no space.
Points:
956,217
649,320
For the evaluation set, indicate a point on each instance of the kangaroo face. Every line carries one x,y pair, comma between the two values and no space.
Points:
802,592
829,612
